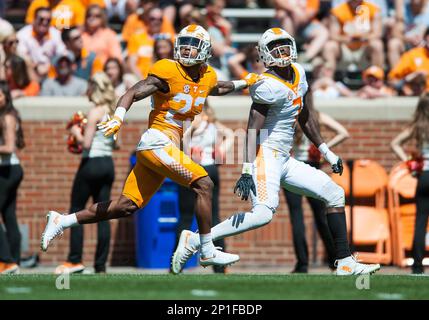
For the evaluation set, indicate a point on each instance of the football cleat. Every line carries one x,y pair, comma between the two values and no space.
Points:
219,258
52,230
9,268
185,250
68,267
350,266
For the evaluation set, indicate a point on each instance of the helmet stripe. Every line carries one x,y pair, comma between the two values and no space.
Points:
192,28
277,30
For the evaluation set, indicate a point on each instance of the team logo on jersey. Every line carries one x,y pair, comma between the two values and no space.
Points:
186,88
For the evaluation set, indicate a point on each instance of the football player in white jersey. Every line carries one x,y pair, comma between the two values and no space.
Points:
279,104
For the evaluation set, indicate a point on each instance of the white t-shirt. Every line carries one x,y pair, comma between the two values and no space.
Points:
284,101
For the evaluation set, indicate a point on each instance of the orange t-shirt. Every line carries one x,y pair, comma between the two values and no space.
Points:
104,43
183,102
416,59
133,25
141,44
355,22
32,89
66,13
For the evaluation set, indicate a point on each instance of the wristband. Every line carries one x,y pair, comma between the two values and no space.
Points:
120,113
323,148
239,84
247,168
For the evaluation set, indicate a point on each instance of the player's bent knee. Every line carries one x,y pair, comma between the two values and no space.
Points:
333,195
125,207
263,215
203,185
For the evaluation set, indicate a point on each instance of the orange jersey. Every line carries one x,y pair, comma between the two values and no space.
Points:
186,98
416,59
355,22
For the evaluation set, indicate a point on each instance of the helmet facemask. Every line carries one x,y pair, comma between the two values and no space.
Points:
184,47
280,53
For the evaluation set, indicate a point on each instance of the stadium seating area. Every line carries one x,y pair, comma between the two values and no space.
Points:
336,58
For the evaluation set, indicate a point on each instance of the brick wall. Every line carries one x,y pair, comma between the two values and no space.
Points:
49,171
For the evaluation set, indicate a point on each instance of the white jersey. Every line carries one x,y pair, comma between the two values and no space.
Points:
285,101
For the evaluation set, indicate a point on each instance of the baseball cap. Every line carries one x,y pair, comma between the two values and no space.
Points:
65,55
375,72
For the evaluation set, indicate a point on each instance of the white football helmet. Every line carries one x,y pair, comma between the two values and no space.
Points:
196,37
266,52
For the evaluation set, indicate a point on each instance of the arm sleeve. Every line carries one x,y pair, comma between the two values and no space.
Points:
261,93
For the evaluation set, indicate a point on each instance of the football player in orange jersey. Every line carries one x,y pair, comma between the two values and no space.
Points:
179,89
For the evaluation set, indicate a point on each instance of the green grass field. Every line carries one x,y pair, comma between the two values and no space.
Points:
210,286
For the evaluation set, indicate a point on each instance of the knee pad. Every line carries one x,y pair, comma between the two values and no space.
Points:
333,195
262,214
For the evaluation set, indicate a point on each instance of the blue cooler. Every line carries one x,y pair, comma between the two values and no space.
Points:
156,226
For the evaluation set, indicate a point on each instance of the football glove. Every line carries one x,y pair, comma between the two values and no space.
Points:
244,185
111,126
252,78
338,167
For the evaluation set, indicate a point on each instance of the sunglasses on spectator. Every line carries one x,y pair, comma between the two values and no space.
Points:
76,37
94,15
11,42
43,20
155,19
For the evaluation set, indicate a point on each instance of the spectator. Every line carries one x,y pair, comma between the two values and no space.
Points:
355,29
138,22
304,150
418,130
194,17
409,31
99,38
86,62
115,71
209,141
299,19
65,13
40,42
163,48
410,76
18,78
324,86
220,33
244,62
375,87
11,139
95,175
6,30
65,83
140,45
119,9
170,9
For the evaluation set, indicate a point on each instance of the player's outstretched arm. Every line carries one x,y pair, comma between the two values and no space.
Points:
139,91
224,87
245,184
310,126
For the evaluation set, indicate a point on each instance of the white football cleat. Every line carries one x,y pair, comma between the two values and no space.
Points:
350,266
52,230
219,259
186,248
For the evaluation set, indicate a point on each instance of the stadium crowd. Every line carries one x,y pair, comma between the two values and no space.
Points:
383,45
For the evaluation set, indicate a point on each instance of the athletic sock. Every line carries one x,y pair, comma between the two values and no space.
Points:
337,226
69,220
207,246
